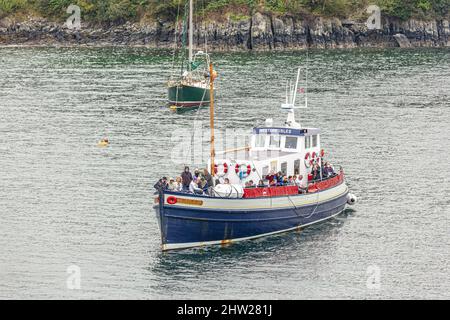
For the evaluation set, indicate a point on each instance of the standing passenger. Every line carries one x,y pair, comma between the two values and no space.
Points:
208,177
186,178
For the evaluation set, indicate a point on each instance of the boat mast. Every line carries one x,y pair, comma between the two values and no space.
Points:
289,106
211,115
191,32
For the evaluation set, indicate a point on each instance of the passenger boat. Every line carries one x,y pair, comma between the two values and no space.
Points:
231,212
190,89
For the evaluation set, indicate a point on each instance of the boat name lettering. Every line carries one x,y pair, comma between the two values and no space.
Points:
281,131
190,201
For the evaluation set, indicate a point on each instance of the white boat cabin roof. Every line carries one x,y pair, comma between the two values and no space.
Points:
274,142
286,131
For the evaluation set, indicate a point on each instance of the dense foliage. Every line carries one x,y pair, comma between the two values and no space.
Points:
117,11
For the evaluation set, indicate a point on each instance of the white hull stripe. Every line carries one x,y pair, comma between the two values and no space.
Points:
261,203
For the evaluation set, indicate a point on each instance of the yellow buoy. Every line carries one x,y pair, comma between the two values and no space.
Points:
103,143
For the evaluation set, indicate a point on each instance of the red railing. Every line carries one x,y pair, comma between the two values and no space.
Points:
270,192
326,184
291,190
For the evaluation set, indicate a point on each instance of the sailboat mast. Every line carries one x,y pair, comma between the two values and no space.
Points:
211,115
191,31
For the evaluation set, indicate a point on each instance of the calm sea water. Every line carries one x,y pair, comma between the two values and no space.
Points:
385,118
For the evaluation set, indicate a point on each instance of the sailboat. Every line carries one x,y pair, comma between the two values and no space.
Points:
235,210
190,88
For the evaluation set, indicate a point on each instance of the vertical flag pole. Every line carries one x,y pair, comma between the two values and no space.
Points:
191,32
211,115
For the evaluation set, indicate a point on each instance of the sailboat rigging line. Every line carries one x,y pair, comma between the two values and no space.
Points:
306,72
175,50
183,39
204,26
196,116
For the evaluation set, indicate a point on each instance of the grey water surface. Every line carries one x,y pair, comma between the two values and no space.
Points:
385,118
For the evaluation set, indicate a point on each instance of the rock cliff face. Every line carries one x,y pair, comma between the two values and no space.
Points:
259,32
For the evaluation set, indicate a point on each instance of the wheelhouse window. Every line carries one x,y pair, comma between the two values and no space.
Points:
275,141
307,142
296,167
291,143
314,140
284,168
260,141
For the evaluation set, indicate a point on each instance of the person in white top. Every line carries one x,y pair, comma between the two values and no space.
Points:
193,188
300,182
172,186
178,184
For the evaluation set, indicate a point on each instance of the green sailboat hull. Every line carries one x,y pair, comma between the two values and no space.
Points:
188,96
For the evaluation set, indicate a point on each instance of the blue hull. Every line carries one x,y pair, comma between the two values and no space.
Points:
189,227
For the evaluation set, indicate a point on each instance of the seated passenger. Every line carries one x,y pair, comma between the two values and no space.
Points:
226,181
203,184
171,186
193,188
327,171
279,179
196,174
179,184
291,181
331,170
316,172
161,184
273,183
270,177
301,183
261,184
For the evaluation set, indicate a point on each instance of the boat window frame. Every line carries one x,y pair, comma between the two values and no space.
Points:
297,168
307,142
286,143
279,141
264,140
284,163
315,140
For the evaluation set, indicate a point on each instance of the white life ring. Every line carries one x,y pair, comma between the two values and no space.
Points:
308,160
221,169
243,169
315,158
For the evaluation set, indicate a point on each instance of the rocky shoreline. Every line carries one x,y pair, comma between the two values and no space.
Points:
261,32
